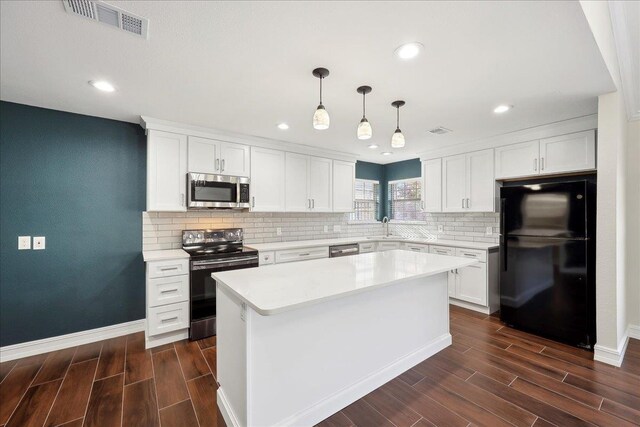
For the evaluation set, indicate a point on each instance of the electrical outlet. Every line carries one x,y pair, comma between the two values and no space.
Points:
489,231
279,231
38,243
336,228
24,242
440,228
326,228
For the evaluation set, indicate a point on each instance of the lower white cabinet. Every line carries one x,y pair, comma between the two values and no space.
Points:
302,254
415,247
387,246
367,247
266,258
167,301
471,284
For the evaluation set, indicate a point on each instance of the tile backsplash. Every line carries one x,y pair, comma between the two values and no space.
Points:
163,230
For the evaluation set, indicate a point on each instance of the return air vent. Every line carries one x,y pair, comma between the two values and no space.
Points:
439,131
108,14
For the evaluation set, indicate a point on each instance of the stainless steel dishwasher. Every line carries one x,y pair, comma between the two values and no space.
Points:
344,250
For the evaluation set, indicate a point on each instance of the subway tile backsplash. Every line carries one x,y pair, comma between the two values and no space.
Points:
163,230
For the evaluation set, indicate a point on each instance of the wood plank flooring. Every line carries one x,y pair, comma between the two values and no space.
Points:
492,375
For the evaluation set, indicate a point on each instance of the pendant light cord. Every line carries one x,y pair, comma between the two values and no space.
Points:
363,106
320,90
398,117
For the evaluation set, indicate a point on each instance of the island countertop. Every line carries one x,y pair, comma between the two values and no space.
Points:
278,288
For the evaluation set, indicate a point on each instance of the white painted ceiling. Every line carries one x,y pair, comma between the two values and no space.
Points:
246,66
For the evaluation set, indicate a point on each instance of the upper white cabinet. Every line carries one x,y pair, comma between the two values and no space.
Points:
308,183
166,171
267,180
218,157
432,185
344,181
516,160
566,153
468,182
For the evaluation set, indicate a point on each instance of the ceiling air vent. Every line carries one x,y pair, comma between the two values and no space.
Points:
439,131
108,14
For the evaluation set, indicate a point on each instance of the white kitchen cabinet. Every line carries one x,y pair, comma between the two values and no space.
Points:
266,258
471,284
166,172
454,173
218,157
573,152
296,183
415,247
344,181
367,247
308,183
516,160
321,185
292,255
387,246
432,185
267,180
568,153
468,183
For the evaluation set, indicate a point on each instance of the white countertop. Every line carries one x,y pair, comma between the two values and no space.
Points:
278,246
277,288
164,254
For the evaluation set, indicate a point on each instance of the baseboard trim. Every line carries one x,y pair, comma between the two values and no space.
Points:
634,331
30,348
469,306
612,356
226,411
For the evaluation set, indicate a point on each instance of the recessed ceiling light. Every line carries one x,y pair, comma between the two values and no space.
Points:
502,109
373,146
283,126
409,50
102,85
386,153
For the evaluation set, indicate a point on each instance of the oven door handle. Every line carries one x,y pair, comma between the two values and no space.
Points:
229,262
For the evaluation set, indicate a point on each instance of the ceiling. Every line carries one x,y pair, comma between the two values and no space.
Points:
246,66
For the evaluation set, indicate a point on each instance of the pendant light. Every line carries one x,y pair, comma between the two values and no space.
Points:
321,117
397,140
364,128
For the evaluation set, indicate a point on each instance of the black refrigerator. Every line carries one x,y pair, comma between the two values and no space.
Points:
547,258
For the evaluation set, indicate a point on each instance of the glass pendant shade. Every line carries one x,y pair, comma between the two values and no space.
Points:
321,119
397,140
364,129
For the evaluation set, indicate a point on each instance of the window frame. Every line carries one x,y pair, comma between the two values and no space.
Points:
418,213
376,203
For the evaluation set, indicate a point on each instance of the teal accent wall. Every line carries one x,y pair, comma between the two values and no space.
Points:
80,181
390,172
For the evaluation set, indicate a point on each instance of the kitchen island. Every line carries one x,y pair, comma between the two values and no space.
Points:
299,341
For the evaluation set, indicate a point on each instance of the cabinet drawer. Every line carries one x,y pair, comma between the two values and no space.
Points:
387,246
167,290
367,247
472,253
302,254
172,267
415,247
266,258
167,318
442,250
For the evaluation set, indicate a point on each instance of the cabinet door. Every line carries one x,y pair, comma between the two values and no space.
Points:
517,160
568,153
296,183
480,181
204,155
344,181
234,159
166,172
471,284
454,172
320,184
452,278
432,185
267,180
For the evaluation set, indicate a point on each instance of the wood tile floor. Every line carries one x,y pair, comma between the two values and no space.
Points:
492,375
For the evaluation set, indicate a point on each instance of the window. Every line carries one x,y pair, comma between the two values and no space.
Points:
405,199
367,200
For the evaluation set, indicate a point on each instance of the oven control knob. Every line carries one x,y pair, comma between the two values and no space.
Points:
190,236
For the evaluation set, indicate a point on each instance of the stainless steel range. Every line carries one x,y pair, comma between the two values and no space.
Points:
212,251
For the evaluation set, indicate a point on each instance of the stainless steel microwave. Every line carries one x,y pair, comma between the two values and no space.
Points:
206,191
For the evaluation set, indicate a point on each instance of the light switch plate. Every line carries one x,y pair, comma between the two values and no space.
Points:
489,231
279,231
440,228
38,243
336,228
24,242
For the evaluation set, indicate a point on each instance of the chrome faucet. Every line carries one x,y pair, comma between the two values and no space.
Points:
385,221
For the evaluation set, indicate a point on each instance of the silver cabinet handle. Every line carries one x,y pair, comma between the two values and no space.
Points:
313,203
168,319
462,203
181,199
253,201
468,254
542,163
305,254
168,291
535,164
222,170
468,203
308,203
217,164
168,268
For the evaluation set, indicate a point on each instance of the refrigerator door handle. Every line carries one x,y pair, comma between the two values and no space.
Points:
503,204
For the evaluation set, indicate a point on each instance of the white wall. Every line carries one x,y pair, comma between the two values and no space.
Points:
633,226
